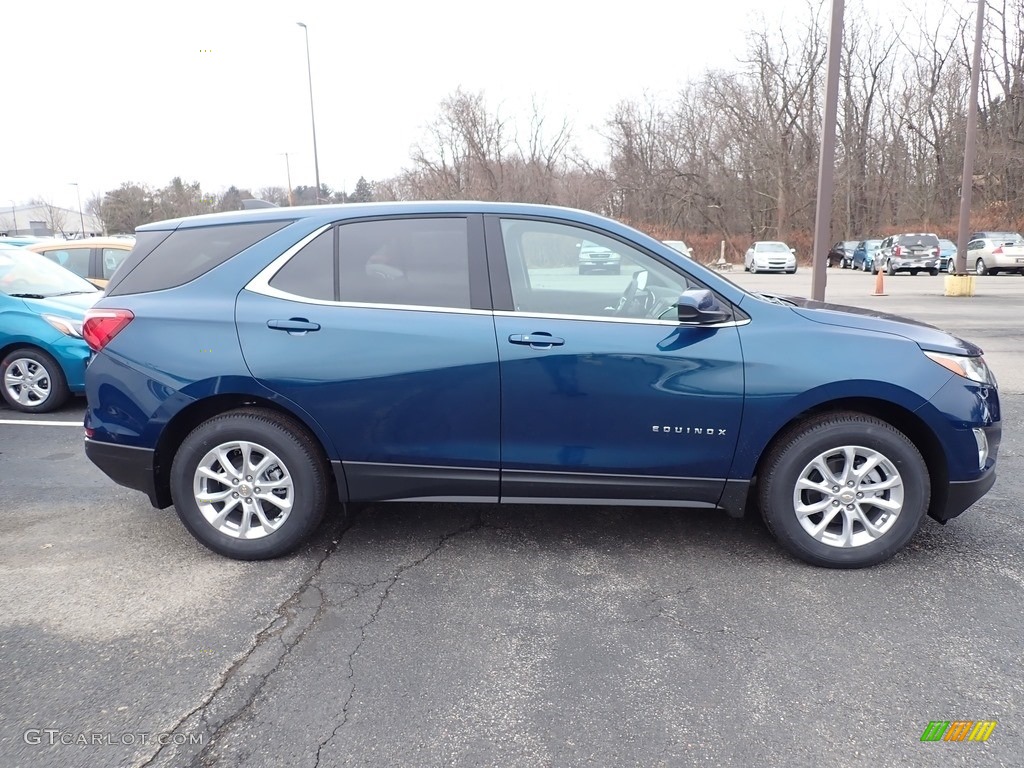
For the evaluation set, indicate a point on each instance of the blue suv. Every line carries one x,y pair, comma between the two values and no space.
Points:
252,367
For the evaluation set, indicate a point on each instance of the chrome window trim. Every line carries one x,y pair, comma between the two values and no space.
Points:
261,284
624,320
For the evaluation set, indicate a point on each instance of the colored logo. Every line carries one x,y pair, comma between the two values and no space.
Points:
958,730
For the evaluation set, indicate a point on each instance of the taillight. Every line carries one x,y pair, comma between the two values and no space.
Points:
997,251
896,251
101,325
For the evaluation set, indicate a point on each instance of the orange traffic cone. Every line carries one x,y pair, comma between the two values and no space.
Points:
879,284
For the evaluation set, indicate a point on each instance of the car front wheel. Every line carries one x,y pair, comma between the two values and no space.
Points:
844,490
250,484
33,381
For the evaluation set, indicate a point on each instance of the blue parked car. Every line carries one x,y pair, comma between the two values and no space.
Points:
864,255
251,367
42,352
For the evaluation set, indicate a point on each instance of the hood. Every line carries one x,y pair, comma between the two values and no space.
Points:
928,337
73,305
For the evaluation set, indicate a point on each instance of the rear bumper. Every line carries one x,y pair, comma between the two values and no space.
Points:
128,466
900,264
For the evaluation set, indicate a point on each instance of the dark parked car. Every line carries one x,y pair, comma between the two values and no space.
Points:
864,254
841,254
947,255
913,253
447,351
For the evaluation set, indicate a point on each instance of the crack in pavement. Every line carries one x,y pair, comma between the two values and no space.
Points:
390,582
284,616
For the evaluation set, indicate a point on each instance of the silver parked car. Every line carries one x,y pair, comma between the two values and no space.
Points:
913,253
996,252
770,256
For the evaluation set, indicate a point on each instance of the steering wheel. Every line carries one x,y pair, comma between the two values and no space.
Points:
630,301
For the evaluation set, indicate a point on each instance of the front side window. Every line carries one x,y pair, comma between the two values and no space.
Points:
565,270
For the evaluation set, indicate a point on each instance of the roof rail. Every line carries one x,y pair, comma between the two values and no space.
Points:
253,203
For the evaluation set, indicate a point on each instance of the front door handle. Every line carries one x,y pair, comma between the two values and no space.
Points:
293,325
540,340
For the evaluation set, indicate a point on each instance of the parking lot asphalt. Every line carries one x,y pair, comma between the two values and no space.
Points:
419,634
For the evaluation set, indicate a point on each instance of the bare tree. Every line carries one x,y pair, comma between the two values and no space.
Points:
54,217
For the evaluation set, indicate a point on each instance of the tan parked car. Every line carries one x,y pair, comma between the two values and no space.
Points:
94,258
996,252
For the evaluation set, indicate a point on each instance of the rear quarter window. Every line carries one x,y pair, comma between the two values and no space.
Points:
162,260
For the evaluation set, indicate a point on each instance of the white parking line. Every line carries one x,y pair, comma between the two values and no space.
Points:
38,423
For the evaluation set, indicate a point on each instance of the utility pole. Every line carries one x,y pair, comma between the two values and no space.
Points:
826,162
970,148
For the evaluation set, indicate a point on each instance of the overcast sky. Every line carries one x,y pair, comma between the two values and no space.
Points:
106,91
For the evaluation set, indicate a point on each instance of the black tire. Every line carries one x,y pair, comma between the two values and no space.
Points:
297,456
583,271
49,390
979,267
933,272
890,268
792,455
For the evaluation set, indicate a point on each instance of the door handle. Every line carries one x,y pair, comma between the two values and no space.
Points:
536,340
293,325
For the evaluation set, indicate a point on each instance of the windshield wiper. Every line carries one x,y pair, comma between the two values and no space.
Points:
68,293
27,295
776,300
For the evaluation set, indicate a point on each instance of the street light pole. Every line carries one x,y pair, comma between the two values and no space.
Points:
312,119
826,163
288,170
81,217
967,182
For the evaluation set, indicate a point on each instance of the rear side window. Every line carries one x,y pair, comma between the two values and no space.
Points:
185,254
310,272
418,262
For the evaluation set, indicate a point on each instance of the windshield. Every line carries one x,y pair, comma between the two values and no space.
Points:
872,244
24,273
772,248
850,245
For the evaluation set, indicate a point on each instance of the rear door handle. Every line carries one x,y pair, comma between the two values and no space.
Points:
293,325
536,340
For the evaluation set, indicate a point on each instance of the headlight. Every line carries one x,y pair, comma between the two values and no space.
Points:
65,325
973,368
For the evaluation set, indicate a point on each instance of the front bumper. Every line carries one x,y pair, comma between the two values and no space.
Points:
128,466
962,494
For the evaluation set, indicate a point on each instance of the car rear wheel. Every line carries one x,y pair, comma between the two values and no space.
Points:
979,267
890,268
33,381
933,272
250,484
844,490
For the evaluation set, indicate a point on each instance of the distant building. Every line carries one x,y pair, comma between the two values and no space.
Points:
48,221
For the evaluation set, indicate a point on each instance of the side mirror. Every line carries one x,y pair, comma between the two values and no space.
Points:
699,306
792,250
